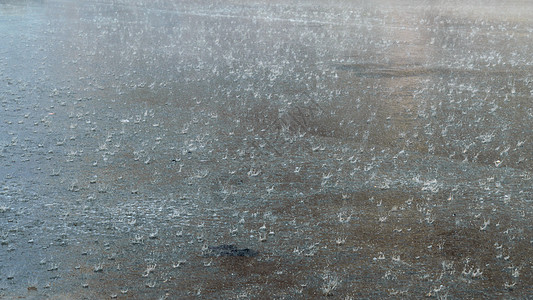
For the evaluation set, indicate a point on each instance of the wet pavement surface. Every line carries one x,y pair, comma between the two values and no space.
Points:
347,149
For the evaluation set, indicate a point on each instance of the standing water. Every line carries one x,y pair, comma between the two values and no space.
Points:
266,149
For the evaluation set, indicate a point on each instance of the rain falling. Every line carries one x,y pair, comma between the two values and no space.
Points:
231,149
